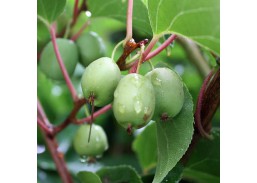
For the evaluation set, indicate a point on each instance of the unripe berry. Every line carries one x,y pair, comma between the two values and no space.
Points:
101,78
134,101
169,92
98,141
48,61
91,47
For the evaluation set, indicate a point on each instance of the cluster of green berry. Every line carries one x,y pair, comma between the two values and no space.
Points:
136,99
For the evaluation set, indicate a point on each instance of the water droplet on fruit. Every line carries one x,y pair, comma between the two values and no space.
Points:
157,81
138,106
146,110
83,159
121,108
136,80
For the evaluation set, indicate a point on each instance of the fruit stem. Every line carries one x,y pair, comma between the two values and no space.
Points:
115,49
62,66
129,21
151,65
80,31
96,114
146,52
142,48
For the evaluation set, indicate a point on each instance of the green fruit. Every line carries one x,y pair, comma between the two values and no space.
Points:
48,61
91,47
101,78
98,141
169,92
134,101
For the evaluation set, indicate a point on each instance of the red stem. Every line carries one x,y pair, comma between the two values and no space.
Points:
75,12
62,66
58,158
42,114
96,114
129,20
75,36
45,128
52,145
162,47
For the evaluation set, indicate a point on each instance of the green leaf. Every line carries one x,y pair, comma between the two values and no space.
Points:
117,174
86,177
145,146
198,20
50,9
173,138
204,163
117,9
174,175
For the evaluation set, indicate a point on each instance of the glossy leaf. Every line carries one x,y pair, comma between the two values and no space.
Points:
86,177
117,9
116,174
198,20
50,9
145,146
173,138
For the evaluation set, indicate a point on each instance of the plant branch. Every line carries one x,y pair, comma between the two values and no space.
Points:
48,130
195,55
96,114
129,21
80,31
51,143
57,157
62,66
43,115
71,117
